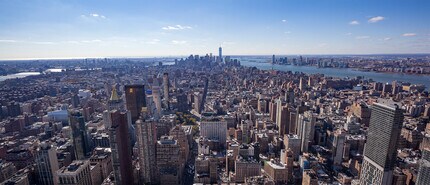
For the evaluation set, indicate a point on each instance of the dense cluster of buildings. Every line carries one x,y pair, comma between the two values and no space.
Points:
209,120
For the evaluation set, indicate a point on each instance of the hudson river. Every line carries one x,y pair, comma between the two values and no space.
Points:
338,72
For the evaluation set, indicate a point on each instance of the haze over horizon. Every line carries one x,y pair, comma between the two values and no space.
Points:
93,29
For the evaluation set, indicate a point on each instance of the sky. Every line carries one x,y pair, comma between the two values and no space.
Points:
108,28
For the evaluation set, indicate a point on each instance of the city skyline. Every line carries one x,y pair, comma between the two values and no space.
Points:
80,29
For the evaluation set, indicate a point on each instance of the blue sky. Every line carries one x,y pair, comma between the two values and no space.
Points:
106,28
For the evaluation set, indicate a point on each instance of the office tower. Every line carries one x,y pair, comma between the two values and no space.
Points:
135,99
168,161
220,54
306,129
76,173
81,142
424,169
121,148
338,147
166,89
273,59
381,148
146,139
277,171
115,102
272,110
157,98
214,128
46,164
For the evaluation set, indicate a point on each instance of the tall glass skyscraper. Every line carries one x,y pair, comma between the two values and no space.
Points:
381,148
424,170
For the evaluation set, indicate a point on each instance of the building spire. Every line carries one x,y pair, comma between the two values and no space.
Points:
114,95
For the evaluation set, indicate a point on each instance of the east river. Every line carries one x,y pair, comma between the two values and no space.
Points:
338,72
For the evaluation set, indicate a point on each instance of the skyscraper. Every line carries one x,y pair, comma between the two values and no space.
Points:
146,139
381,148
306,129
220,54
166,89
121,148
424,169
81,142
135,99
168,162
273,59
47,164
157,98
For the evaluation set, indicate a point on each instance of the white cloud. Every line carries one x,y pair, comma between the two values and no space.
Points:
179,42
283,20
8,41
387,38
409,34
43,42
177,27
354,22
91,41
93,16
287,32
348,33
362,37
376,19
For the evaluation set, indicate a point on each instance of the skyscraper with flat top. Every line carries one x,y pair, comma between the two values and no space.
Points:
47,164
381,148
220,54
80,136
121,148
146,139
135,99
166,89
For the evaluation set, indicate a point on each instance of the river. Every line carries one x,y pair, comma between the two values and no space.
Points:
262,63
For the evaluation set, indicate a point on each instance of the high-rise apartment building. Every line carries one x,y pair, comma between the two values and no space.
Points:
76,173
214,128
168,162
46,164
380,152
146,139
306,129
